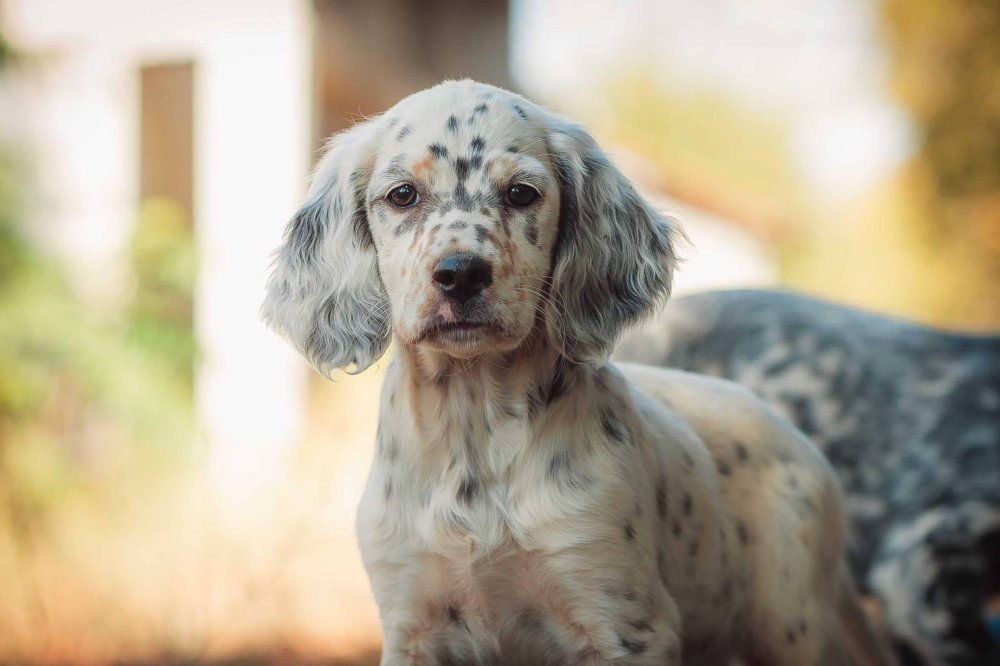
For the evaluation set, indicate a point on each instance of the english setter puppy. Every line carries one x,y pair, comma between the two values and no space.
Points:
529,502
909,417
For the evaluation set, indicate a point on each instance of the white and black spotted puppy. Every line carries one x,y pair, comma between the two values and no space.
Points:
530,503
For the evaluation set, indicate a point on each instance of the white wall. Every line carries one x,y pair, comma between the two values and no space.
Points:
78,110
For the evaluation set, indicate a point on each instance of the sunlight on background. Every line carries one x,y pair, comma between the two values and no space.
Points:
175,483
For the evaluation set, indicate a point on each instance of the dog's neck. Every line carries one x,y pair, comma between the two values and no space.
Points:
491,404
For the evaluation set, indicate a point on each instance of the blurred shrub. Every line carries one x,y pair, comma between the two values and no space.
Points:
946,72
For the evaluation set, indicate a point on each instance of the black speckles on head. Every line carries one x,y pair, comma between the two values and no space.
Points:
478,145
513,149
458,225
677,530
629,530
613,426
687,504
723,467
462,167
687,458
482,233
478,109
388,489
452,124
403,133
519,111
438,151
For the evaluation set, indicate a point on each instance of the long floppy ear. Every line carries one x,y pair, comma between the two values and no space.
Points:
324,294
614,257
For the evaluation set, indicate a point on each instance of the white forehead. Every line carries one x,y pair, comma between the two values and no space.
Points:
455,113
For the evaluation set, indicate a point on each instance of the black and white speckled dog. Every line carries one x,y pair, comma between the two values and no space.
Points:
910,419
529,503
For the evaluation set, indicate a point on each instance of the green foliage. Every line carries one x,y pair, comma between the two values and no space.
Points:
946,72
84,396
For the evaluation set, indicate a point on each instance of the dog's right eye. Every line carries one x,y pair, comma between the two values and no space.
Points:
403,196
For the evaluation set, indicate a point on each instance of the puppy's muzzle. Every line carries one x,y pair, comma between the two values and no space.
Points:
462,276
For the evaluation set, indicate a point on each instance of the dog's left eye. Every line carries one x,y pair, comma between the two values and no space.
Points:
521,195
403,196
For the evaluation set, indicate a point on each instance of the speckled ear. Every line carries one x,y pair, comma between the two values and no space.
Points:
614,257
324,294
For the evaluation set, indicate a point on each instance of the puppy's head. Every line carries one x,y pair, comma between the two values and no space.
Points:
466,219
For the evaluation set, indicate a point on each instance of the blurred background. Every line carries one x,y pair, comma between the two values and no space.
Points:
176,486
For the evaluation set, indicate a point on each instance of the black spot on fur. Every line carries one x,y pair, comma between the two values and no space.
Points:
741,452
403,133
452,124
693,548
519,111
437,150
741,531
478,145
661,499
686,504
388,488
558,385
475,162
629,530
723,467
641,625
458,224
531,230
791,637
677,529
559,464
613,426
513,149
481,233
463,200
686,457
468,490
461,168
480,108
633,646
454,614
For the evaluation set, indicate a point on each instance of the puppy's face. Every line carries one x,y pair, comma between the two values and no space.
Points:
464,220
463,208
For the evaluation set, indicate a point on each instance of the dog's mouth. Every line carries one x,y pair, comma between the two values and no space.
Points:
460,330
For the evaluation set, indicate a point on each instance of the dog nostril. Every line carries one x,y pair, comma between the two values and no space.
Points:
462,276
444,277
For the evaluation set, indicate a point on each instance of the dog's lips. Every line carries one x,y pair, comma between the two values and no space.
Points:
459,330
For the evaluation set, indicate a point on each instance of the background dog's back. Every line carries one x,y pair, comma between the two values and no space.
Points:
910,418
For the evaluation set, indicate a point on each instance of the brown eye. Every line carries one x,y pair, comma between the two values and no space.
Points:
521,195
403,196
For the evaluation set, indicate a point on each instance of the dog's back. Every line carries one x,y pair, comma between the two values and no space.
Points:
907,415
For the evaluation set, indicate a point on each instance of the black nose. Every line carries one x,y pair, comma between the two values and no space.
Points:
462,276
